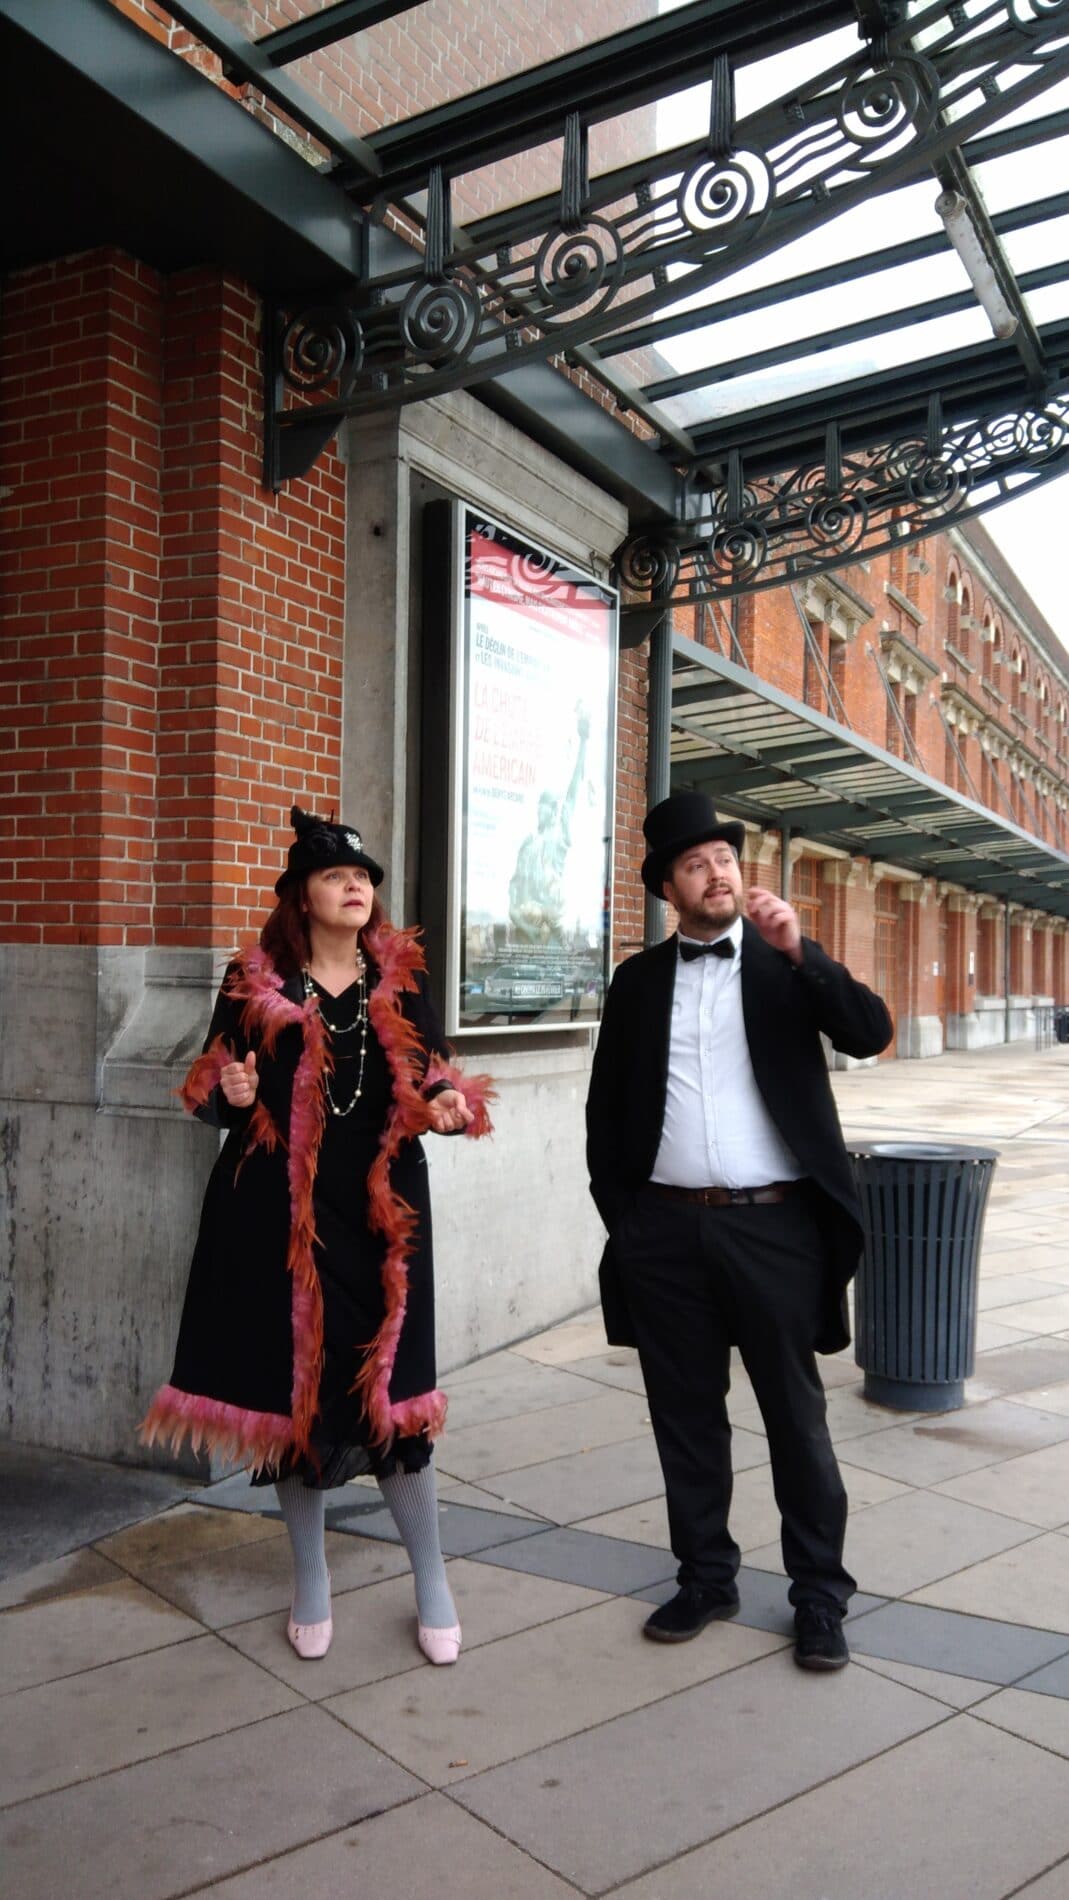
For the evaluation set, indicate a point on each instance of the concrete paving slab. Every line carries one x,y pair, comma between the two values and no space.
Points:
461,1527
973,1646
87,1725
375,1628
1053,1885
929,1451
1051,1680
583,1483
531,1438
1029,1584
958,1692
574,1803
232,1585
574,1556
185,1531
1001,1817
562,1345
68,1634
1049,1315
1009,1290
46,1491
645,1523
60,1577
447,1725
617,1367
894,1548
1042,1719
991,1333
511,1388
1021,1367
457,1491
402,1856
192,1816
1033,1488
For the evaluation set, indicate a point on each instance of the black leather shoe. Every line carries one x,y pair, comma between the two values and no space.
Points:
819,1642
688,1613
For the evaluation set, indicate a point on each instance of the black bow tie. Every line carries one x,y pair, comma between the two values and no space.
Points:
723,947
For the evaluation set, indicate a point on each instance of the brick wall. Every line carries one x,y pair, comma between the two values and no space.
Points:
177,628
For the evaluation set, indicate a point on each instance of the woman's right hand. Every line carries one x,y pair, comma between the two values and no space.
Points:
239,1082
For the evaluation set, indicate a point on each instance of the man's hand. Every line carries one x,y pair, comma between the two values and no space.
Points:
776,921
449,1112
239,1082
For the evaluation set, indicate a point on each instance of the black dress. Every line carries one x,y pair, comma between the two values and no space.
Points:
348,1257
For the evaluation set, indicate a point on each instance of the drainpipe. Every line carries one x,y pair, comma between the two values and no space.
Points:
785,864
1006,967
658,749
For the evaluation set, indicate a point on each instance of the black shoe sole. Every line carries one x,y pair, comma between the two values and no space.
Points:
720,1614
825,1664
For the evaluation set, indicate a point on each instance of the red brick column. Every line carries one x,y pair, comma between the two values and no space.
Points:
81,436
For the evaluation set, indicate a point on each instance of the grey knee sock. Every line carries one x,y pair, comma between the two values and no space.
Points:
305,1513
412,1497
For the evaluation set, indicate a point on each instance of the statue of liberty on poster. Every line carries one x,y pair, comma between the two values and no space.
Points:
536,888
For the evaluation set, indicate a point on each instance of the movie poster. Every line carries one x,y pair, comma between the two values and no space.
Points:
534,785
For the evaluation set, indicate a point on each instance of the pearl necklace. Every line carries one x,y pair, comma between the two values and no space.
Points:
359,1022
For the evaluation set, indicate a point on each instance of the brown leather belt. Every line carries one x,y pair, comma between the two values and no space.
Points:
767,1196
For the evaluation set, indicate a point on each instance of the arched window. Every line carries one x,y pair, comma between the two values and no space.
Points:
953,600
965,641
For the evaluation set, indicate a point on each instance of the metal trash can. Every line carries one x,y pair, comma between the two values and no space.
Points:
1061,1025
922,1208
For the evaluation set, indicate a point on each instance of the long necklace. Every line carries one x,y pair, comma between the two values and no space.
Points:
359,1022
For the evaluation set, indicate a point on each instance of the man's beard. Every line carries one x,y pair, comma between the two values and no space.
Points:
716,913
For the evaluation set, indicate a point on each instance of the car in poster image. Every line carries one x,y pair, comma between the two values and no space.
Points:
523,983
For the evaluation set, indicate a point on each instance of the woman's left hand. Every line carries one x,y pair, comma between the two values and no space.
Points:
449,1112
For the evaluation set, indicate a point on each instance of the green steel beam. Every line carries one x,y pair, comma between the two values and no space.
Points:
242,59
326,28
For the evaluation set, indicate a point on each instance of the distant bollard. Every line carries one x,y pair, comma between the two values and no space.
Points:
922,1209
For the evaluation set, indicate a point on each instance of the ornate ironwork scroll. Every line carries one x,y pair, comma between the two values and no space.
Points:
744,537
525,285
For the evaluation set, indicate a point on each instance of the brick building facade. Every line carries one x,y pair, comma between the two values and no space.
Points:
185,651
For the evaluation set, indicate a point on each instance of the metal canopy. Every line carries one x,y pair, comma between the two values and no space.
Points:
761,278
764,756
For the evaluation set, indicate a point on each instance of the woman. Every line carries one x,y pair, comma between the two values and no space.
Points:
306,1348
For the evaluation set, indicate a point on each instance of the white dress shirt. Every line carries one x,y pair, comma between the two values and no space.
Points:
717,1131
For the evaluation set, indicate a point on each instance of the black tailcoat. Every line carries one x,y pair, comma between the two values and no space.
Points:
786,1008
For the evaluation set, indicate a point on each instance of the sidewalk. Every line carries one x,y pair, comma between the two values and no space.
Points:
161,1739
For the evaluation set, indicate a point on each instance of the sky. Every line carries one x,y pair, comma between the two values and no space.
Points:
1030,530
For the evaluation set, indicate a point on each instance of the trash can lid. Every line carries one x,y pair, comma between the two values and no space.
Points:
922,1150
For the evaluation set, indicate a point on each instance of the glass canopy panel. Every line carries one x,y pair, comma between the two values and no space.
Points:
1037,244
820,313
902,215
440,51
852,363
1022,177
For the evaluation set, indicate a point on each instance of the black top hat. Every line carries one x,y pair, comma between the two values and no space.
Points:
674,825
319,846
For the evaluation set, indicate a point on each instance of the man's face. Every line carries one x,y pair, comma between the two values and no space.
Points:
705,885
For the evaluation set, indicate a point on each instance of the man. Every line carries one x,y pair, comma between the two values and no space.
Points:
717,1164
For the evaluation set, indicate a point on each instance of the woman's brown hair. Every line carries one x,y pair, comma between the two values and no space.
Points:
285,938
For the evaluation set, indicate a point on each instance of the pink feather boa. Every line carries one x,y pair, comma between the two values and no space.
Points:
262,1439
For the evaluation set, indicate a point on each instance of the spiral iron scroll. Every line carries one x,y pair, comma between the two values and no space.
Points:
804,522
322,348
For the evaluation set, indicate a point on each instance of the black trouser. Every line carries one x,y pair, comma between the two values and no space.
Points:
698,1280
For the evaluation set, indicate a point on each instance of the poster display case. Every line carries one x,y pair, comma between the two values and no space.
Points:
532,750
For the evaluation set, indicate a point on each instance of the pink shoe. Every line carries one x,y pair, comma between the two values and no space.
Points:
310,1639
440,1646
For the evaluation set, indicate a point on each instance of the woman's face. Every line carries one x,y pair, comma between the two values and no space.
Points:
338,899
